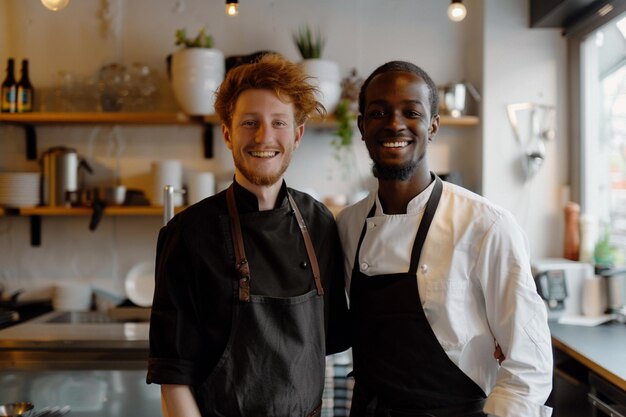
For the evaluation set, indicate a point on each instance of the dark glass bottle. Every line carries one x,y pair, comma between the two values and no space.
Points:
25,91
9,90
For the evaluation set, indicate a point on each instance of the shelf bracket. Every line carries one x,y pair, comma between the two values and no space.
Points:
207,140
35,231
31,142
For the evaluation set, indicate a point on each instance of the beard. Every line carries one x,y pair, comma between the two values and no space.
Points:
263,178
394,173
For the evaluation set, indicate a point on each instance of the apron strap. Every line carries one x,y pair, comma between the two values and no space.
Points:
241,262
308,244
422,231
427,218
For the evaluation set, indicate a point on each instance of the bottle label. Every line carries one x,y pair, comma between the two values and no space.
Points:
9,100
25,100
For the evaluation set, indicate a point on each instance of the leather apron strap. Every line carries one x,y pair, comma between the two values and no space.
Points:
308,244
241,262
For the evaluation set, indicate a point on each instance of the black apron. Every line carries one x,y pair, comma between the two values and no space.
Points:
273,364
400,368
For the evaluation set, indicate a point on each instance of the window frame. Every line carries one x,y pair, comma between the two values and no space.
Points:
575,35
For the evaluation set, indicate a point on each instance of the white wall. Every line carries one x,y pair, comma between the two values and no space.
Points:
361,34
524,65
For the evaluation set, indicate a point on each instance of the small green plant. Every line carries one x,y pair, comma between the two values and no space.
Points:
309,45
345,127
347,110
605,253
202,40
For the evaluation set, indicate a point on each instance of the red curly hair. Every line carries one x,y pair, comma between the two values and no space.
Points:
270,72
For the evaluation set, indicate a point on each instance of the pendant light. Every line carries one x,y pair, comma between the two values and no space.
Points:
457,11
232,7
55,5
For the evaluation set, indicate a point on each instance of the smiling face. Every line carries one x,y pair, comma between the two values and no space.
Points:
262,137
396,124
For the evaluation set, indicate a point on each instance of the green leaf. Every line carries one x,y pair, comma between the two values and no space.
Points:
309,45
202,40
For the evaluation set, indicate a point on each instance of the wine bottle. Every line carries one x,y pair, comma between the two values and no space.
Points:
9,90
25,91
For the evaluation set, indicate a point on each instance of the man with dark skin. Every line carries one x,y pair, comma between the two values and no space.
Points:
423,340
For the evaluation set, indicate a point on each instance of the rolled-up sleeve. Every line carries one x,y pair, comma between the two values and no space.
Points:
518,319
173,331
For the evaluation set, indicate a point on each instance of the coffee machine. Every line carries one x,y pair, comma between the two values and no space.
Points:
560,284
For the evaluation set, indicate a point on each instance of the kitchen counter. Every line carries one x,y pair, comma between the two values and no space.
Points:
74,341
602,349
85,360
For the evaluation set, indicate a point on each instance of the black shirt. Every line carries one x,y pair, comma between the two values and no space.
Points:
196,283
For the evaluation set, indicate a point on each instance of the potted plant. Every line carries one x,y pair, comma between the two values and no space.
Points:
345,114
197,71
324,72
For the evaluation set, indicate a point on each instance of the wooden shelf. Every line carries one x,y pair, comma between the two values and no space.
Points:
463,121
330,121
42,118
87,211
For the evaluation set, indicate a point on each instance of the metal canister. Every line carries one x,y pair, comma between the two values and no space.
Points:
59,185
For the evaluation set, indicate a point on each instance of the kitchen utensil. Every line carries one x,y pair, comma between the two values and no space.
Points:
594,296
201,185
72,296
168,172
59,186
168,202
454,99
18,409
139,284
115,195
19,189
53,411
616,288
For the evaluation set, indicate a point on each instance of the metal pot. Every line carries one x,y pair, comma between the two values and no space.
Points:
454,99
59,179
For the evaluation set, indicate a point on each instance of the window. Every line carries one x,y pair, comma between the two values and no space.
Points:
601,187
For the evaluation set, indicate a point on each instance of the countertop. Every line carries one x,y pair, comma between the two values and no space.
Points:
65,330
601,348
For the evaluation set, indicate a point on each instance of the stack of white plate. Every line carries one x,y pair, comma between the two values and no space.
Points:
19,189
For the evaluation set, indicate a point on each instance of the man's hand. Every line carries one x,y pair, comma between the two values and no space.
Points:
498,354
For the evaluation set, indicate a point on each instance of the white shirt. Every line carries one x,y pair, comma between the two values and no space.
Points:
476,289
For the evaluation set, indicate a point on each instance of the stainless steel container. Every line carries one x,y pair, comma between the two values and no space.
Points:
59,177
458,99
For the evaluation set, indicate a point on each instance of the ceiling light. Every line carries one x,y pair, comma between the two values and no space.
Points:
606,9
55,5
232,7
457,11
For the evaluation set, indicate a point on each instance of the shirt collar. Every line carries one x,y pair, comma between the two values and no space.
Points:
416,205
247,201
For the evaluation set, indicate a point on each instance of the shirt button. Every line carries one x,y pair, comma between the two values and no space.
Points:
371,225
304,264
364,266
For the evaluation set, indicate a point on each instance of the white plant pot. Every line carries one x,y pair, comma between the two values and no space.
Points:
196,75
327,78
